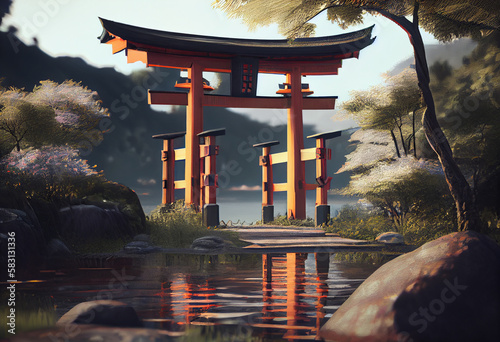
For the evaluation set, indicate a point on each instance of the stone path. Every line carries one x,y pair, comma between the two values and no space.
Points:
273,237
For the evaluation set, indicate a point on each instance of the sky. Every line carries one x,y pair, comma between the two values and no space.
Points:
71,28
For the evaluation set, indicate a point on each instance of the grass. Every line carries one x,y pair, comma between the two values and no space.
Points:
32,312
282,220
374,258
356,223
209,333
177,226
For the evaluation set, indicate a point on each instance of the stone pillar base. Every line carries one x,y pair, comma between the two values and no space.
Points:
210,215
267,213
322,215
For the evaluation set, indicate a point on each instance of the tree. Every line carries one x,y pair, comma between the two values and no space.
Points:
52,114
445,19
24,122
468,100
388,108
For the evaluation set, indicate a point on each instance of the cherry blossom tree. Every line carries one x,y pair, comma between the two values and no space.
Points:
52,114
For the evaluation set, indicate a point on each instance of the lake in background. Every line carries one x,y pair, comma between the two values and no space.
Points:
246,206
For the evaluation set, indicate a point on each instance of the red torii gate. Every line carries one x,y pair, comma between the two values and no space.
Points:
243,59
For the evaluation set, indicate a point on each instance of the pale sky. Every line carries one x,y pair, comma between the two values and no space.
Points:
71,27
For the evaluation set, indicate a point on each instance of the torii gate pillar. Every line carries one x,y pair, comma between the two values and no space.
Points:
194,126
296,191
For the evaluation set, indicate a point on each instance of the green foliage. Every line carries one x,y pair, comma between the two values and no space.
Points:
418,228
65,190
215,333
392,108
444,19
374,258
32,312
178,226
52,114
441,70
282,220
357,223
26,123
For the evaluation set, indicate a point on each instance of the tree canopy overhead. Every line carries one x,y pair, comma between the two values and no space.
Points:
446,20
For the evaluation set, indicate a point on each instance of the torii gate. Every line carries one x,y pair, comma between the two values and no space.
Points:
243,59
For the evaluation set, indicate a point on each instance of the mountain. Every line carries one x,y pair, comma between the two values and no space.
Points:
128,154
453,52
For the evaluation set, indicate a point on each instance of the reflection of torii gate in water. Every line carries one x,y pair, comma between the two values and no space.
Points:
244,59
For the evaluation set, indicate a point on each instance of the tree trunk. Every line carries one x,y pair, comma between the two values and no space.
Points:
405,149
395,143
18,146
414,138
468,216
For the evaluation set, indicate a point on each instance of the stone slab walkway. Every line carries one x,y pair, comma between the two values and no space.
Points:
263,237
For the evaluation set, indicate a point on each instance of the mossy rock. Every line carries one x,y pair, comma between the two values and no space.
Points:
110,195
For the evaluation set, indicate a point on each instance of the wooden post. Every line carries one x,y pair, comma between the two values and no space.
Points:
208,184
210,181
194,126
267,177
267,181
168,174
322,215
321,158
296,192
168,166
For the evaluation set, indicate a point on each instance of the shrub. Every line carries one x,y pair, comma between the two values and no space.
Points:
421,228
178,226
50,173
355,222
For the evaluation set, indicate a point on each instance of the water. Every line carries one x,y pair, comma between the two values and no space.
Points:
279,297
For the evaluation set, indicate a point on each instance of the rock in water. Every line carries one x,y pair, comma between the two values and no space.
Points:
446,290
391,238
101,312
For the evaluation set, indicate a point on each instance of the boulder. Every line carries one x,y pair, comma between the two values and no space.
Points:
110,195
101,312
391,238
57,249
140,247
15,199
89,222
18,227
446,290
208,243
